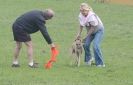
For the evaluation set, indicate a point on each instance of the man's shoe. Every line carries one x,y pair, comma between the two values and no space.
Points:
35,65
15,65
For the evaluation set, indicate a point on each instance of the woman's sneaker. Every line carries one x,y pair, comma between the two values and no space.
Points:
90,62
101,65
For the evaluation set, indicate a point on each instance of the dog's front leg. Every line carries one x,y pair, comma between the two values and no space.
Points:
78,59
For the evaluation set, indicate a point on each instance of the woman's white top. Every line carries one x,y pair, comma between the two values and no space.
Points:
90,20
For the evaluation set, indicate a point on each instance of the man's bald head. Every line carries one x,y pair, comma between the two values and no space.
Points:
49,13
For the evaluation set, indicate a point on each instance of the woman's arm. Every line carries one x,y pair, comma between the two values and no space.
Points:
80,31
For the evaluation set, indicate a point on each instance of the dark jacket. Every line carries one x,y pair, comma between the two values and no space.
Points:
32,22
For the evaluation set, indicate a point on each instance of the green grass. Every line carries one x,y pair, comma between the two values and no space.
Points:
117,45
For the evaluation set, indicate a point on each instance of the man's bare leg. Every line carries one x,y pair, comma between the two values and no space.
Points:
16,53
30,52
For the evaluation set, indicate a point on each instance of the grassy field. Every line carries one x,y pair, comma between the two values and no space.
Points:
117,45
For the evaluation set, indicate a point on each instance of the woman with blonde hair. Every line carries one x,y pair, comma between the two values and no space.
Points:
95,31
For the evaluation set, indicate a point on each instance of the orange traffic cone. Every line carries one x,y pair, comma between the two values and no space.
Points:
48,65
54,54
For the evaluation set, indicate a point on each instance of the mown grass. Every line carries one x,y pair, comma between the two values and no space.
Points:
117,45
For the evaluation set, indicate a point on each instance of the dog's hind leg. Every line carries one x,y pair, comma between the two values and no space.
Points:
73,59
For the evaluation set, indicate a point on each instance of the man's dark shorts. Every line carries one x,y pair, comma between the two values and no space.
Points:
19,34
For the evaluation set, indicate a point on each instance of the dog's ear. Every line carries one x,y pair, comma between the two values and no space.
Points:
79,39
76,39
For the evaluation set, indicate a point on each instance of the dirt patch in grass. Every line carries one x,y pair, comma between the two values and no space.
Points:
125,2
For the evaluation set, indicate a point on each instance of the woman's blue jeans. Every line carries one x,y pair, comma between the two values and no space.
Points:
96,39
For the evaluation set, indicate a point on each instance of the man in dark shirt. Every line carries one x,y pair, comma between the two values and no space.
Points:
27,24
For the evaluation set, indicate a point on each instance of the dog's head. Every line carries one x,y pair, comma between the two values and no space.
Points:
78,43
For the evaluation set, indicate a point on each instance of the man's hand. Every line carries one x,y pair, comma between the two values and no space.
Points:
52,45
